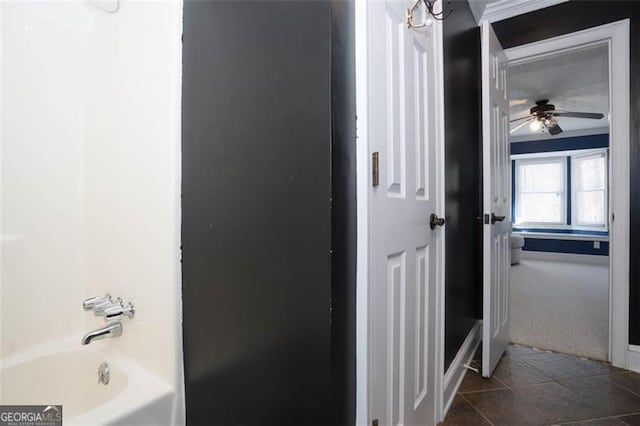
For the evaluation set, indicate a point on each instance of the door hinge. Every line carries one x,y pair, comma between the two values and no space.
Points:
376,169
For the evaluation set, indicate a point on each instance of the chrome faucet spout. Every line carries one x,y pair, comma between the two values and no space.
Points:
113,329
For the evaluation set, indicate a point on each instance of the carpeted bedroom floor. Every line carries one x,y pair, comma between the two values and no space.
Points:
561,306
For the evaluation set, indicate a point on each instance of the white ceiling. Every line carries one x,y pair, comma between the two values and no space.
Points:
574,81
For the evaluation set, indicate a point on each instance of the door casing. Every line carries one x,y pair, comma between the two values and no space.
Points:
616,36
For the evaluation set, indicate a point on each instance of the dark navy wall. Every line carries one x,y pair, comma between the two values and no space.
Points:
268,212
566,246
560,144
343,212
463,295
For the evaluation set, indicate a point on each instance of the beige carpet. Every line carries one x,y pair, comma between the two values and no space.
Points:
561,306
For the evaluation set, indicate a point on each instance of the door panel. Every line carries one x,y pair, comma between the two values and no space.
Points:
497,201
422,348
402,130
395,100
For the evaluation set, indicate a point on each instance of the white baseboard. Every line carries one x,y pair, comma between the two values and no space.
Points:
456,371
566,257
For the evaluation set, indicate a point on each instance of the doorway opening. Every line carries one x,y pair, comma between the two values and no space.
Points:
570,192
559,144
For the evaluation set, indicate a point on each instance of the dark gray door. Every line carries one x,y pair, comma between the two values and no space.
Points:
256,232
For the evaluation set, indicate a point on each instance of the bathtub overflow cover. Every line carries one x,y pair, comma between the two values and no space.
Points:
103,373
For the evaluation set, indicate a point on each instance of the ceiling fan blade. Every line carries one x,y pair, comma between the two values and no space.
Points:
592,115
521,118
521,125
554,130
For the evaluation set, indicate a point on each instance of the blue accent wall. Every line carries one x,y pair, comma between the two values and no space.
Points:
566,246
560,144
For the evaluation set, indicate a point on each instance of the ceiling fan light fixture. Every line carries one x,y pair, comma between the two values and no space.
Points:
535,125
551,121
544,117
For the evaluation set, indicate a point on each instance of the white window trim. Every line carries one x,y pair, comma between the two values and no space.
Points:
546,160
574,217
543,157
561,236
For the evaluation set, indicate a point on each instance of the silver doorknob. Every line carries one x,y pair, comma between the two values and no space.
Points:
434,221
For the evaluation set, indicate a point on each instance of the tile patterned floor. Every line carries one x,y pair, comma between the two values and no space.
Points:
534,387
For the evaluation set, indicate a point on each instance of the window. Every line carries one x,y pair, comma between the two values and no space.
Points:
589,188
561,190
540,191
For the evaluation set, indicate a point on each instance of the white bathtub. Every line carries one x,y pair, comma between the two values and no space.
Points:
70,378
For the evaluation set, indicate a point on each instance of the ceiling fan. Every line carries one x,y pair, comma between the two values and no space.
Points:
545,115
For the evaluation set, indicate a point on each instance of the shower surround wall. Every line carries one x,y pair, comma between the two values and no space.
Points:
90,178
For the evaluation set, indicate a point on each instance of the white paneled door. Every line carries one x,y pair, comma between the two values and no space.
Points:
404,249
496,201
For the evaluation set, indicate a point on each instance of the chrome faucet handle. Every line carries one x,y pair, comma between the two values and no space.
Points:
100,309
91,302
118,311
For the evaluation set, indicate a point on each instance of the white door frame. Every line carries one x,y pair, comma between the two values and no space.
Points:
363,167
616,37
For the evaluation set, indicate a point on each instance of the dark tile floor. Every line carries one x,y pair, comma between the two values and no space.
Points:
534,387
